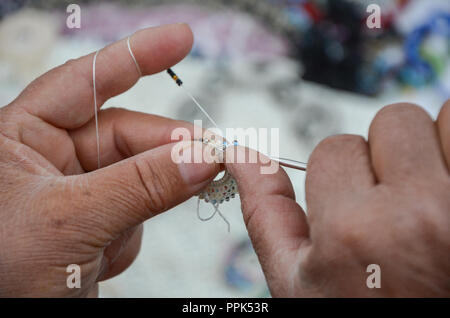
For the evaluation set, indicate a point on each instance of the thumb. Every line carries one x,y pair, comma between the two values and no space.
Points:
276,223
127,193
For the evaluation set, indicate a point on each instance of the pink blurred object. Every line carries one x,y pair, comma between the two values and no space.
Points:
218,34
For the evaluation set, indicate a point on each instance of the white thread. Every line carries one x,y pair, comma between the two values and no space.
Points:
94,62
132,56
198,213
200,107
223,217
216,210
217,191
215,205
95,109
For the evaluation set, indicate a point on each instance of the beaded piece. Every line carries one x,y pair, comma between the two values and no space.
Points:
221,190
218,191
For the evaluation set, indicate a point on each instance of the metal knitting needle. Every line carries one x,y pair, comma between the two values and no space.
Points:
289,163
285,162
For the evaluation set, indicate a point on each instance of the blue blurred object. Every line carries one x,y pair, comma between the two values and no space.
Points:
418,71
240,272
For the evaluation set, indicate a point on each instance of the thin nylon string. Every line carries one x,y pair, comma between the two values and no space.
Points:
202,218
95,109
216,211
200,107
294,164
132,56
94,62
216,206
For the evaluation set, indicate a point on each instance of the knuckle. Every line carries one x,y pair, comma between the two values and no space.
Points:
346,235
397,111
327,142
430,210
401,107
72,67
335,145
338,141
444,113
114,111
158,184
320,149
11,116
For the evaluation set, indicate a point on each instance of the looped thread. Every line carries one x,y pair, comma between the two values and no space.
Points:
216,211
132,56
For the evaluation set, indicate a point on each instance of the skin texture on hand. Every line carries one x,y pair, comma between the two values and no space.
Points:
384,201
56,209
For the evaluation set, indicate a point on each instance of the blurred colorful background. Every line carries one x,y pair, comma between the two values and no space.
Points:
310,68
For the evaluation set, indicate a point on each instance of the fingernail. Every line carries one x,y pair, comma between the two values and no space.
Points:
195,173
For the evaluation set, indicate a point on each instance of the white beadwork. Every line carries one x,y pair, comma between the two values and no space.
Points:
225,188
220,190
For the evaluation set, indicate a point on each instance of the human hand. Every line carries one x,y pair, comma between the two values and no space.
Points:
56,209
384,202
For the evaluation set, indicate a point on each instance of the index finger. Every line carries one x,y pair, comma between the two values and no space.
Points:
64,96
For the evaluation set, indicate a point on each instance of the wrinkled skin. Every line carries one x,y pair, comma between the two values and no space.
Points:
383,201
56,209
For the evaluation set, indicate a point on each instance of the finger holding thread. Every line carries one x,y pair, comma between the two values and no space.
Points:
138,188
63,96
123,134
277,225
